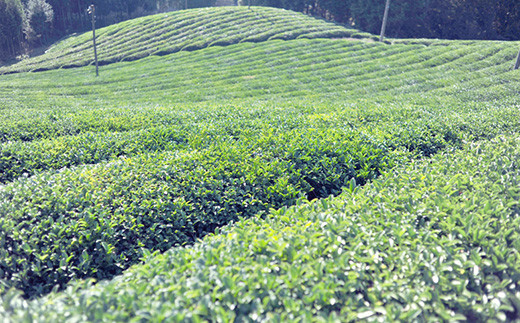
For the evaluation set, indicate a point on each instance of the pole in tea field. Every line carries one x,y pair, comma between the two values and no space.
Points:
385,20
517,64
92,11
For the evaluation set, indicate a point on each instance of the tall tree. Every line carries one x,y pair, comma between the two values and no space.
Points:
11,27
201,3
452,19
39,17
507,22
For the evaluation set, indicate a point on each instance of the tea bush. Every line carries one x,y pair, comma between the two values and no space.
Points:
435,240
93,221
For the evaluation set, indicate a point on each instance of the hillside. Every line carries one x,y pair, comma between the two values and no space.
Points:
280,180
183,30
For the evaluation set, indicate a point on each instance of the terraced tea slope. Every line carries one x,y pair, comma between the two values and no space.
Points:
98,173
351,140
183,30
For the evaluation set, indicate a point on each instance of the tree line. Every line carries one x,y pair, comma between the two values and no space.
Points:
447,19
30,23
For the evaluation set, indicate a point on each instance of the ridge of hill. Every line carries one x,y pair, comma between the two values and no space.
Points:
183,30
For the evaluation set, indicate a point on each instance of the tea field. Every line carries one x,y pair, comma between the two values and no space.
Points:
263,170
184,30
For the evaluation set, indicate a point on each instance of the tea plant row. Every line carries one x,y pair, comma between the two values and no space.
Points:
435,240
69,102
392,126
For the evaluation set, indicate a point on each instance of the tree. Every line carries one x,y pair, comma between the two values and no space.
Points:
461,19
451,19
507,22
11,27
201,3
39,17
337,10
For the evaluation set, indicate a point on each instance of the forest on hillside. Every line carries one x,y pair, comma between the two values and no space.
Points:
446,19
25,24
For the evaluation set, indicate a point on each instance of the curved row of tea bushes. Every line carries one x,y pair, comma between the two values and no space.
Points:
19,158
315,154
436,240
420,130
299,69
93,221
182,30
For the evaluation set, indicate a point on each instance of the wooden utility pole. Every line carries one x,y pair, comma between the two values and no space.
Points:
385,20
185,4
92,11
517,64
